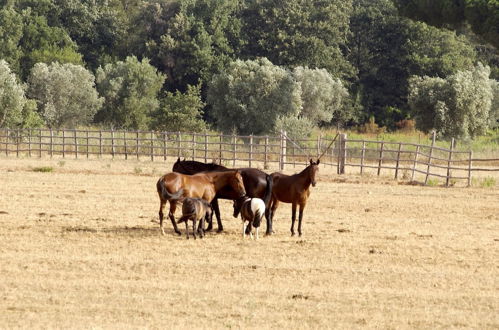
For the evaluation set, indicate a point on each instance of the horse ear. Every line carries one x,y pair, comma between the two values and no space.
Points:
178,160
318,161
311,162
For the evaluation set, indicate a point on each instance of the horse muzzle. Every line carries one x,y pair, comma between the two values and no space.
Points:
314,183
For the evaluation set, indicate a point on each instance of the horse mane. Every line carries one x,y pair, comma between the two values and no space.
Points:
193,167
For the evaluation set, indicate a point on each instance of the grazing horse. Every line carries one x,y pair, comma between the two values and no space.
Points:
256,183
252,210
195,209
293,189
174,186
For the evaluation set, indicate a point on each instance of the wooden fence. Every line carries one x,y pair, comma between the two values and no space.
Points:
414,162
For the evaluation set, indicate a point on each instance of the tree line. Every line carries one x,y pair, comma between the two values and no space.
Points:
250,66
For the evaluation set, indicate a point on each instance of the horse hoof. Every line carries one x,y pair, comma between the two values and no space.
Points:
220,230
292,234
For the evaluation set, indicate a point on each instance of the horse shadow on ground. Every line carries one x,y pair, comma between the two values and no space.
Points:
129,231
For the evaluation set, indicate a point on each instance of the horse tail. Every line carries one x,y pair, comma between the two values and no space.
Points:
165,194
268,190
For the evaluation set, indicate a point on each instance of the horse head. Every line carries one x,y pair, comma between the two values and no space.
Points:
238,204
236,182
313,168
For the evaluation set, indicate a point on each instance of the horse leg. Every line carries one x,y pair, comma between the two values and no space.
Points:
256,232
270,222
161,206
244,229
201,226
187,228
249,229
293,218
300,217
219,218
194,227
173,207
268,215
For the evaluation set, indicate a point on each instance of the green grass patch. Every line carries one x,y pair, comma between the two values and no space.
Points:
45,169
487,182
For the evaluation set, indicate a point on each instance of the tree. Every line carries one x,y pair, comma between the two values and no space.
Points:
10,35
12,97
130,89
494,108
457,106
181,112
65,94
482,15
310,33
323,97
249,96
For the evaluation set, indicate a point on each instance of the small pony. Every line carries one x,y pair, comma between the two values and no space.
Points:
195,209
252,210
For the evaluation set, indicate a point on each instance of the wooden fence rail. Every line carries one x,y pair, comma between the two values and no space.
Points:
410,161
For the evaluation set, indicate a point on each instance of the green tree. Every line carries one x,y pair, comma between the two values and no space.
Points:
310,33
249,96
130,89
457,106
180,111
10,34
482,15
65,94
494,108
12,97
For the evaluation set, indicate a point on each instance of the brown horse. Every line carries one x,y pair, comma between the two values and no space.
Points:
293,189
256,183
174,186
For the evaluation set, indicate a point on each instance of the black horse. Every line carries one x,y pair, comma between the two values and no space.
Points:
256,183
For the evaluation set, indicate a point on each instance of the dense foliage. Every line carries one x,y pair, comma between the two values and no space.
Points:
246,66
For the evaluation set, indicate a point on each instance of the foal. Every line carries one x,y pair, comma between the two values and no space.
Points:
252,210
195,209
294,189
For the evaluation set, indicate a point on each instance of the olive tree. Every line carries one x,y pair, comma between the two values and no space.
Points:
12,97
250,96
65,94
457,106
131,90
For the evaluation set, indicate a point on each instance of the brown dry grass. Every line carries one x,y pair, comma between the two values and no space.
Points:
80,248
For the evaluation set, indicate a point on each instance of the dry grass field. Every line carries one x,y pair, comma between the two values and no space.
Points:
80,247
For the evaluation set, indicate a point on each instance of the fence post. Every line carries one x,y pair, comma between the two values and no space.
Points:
362,155
470,165
179,143
430,157
165,141
318,145
342,153
416,154
205,147
137,144
40,140
449,172
76,143
17,142
100,144
6,142
282,158
193,146
63,143
112,143
380,162
234,150
398,161
125,144
220,149
87,144
265,157
250,149
152,146
51,142
29,142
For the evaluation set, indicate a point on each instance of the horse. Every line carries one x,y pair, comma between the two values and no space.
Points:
252,210
256,183
174,186
293,189
195,209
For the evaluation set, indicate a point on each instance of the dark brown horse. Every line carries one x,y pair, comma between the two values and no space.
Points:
293,189
195,209
174,186
256,183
